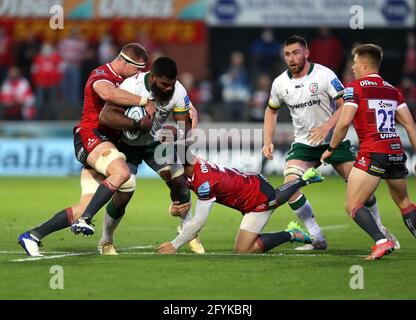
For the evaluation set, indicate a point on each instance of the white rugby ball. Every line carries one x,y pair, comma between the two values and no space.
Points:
136,113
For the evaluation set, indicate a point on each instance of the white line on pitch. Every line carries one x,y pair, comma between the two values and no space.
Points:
336,226
67,254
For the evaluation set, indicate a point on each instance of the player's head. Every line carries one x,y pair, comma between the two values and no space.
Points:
367,59
133,57
296,53
163,78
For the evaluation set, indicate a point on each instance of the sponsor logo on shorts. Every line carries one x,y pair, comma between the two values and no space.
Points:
80,153
272,203
396,157
91,142
377,169
362,161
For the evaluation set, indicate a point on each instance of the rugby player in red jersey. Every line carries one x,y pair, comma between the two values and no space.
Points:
95,144
251,194
374,106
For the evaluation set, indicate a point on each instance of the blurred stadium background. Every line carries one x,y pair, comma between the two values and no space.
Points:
228,53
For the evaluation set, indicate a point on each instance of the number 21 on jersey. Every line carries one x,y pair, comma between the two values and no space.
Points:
385,111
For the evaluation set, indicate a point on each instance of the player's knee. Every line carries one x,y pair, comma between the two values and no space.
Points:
106,158
293,170
129,185
241,249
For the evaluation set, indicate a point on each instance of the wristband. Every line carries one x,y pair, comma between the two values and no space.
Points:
143,101
330,149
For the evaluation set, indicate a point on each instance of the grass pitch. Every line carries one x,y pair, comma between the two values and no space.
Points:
139,273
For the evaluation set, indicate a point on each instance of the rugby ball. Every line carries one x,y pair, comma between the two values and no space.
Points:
136,113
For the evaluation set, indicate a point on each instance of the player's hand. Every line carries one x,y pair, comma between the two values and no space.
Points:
268,151
150,108
145,124
178,210
166,248
193,114
326,155
318,134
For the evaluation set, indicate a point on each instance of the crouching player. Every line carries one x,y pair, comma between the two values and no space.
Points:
251,194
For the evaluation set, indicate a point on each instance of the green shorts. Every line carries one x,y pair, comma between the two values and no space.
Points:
344,152
136,155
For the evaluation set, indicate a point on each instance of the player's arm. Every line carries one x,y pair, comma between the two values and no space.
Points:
270,118
404,117
113,117
183,120
193,115
318,134
341,129
191,229
110,93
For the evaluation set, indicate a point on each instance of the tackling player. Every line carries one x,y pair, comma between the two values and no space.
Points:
169,97
312,93
374,106
250,194
94,143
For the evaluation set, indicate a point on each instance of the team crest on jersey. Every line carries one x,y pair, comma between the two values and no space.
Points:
204,190
313,88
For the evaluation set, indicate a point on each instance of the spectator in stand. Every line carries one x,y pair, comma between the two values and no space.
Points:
26,52
259,98
265,54
235,88
326,49
188,81
16,97
150,45
72,50
47,73
6,54
107,50
409,68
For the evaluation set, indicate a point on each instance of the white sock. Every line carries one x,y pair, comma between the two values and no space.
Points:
376,216
305,215
109,226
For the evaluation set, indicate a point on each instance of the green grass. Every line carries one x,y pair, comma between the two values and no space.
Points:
141,274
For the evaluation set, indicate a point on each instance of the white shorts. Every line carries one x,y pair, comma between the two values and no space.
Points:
255,221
